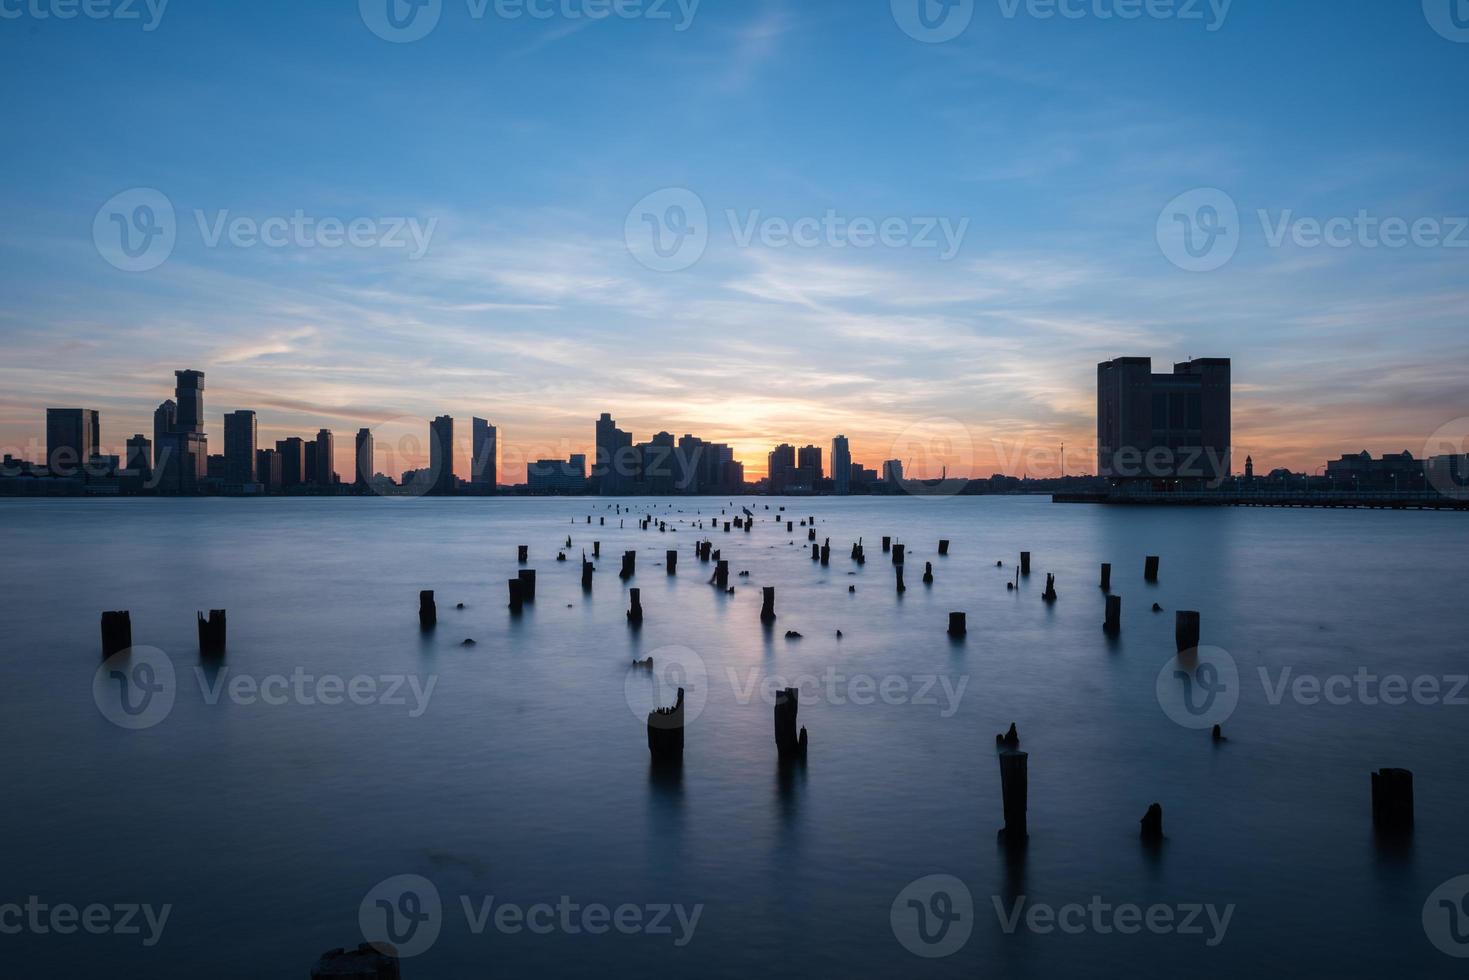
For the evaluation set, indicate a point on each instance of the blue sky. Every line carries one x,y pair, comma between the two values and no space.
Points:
525,152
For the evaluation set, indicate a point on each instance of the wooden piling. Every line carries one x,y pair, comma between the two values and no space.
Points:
596,549
1025,563
825,552
788,744
815,551
957,624
1150,568
672,562
587,568
369,961
665,732
517,600
1186,630
428,612
721,574
767,604
897,554
887,544
1113,622
901,587
1392,800
629,565
1152,824
523,553
1050,594
1014,790
1106,576
635,611
943,547
117,632
928,573
212,633
527,584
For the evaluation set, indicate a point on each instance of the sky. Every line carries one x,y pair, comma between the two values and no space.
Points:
920,223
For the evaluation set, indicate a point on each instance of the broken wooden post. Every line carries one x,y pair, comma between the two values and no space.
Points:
1150,568
1152,824
596,549
428,613
1025,563
901,587
790,527
1186,630
1050,594
721,574
825,552
957,624
811,534
527,584
212,633
117,632
788,744
629,565
749,524
1113,623
369,961
1392,800
726,527
672,562
517,600
887,544
523,553
767,604
587,568
943,547
1014,776
665,732
815,551
1106,576
897,554
635,611
928,573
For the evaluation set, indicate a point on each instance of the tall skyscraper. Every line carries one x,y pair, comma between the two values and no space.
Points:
183,452
309,474
780,467
268,469
326,459
292,452
441,454
841,465
612,469
165,417
363,461
189,393
71,439
1163,427
239,448
484,469
140,456
808,467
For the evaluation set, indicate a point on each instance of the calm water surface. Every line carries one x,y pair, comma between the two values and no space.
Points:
526,775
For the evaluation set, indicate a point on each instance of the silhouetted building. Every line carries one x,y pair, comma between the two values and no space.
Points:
239,448
780,466
1163,427
309,474
189,393
165,417
326,459
183,452
615,463
1393,471
558,476
140,456
484,467
268,470
292,453
72,437
363,465
656,465
841,465
441,454
809,471
892,471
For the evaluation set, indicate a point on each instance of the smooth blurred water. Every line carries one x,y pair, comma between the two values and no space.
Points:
527,777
